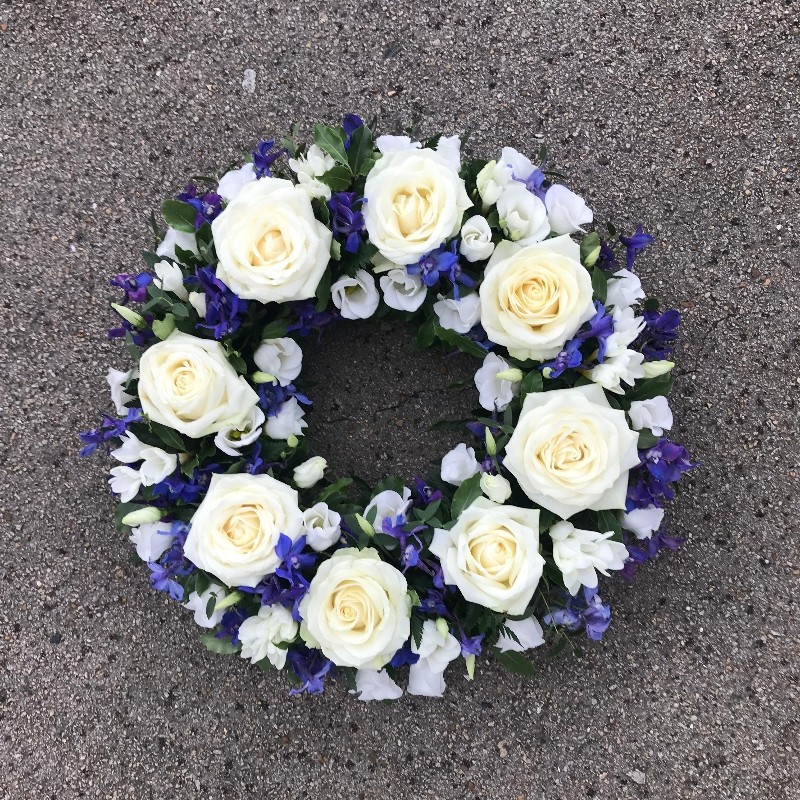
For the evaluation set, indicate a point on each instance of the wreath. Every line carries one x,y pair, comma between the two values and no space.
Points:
566,469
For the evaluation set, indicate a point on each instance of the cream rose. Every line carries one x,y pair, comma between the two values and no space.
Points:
188,384
270,246
235,529
415,201
571,451
492,555
534,298
357,609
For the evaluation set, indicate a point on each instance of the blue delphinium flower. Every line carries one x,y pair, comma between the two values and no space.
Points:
140,336
405,655
172,564
162,580
309,319
310,667
110,428
657,339
351,123
134,286
642,550
635,244
346,220
599,327
264,156
423,494
272,396
533,183
586,610
224,308
470,645
410,543
230,623
187,489
607,261
439,263
207,207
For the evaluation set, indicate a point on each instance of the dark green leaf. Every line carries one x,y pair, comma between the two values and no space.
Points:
361,151
607,521
170,437
466,494
515,662
221,646
338,178
647,439
323,293
532,382
334,488
331,140
650,388
179,215
458,340
599,285
425,334
589,247
275,329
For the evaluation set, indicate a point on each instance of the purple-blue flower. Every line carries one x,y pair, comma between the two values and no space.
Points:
657,339
224,308
642,550
635,244
310,667
405,655
423,494
110,428
586,610
187,489
351,123
264,156
442,262
607,261
207,207
309,319
272,396
134,286
599,327
533,183
346,220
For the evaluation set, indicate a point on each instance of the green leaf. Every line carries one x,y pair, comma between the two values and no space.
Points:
361,151
532,382
425,334
164,327
466,494
590,249
179,215
334,488
647,439
599,284
652,387
180,311
464,344
338,178
331,140
151,259
221,646
515,662
275,329
323,292
170,437
607,521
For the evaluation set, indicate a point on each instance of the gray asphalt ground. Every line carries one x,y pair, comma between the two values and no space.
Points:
680,115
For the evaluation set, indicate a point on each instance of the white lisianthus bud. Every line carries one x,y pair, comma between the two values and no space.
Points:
459,464
652,369
322,526
528,632
437,648
402,291
152,540
116,379
643,522
232,182
375,684
129,315
495,487
198,604
309,472
282,358
169,277
198,303
287,422
496,383
624,289
142,516
261,634
476,239
491,181
231,439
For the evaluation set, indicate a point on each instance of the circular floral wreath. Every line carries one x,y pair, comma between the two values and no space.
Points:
564,477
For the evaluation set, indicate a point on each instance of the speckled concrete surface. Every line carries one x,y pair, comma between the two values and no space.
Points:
683,116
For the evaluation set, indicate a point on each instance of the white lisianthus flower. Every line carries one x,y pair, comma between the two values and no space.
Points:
375,684
322,526
289,421
198,604
521,166
357,609
232,182
314,163
270,246
282,358
495,487
571,451
494,392
198,302
260,635
116,379
535,322
624,289
394,144
476,239
436,650
188,384
231,439
309,472
643,522
492,555
459,464
523,216
388,505
235,529
402,291
173,239
356,298
152,539
491,181
156,464
581,554
528,631
621,366
566,210
415,200
169,277
130,450
461,315
125,481
654,414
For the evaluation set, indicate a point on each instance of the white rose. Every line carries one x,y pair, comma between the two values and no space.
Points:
116,379
461,315
436,650
156,464
492,555
491,181
476,239
309,472
357,609
459,464
281,358
126,482
261,634
188,384
235,529
566,210
415,201
152,540
322,526
388,505
571,451
198,604
173,239
232,438
169,278
528,632
624,289
581,554
402,291
643,522
232,182
374,684
494,392
310,166
289,421
534,298
270,246
356,298
495,487
654,414
522,215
